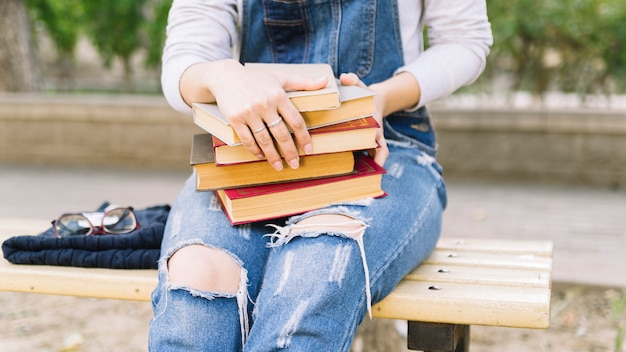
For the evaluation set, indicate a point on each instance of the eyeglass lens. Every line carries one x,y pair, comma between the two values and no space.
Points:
72,225
120,220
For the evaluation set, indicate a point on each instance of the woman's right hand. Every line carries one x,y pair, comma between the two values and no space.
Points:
257,107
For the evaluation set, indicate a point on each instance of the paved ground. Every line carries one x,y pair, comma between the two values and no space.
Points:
587,225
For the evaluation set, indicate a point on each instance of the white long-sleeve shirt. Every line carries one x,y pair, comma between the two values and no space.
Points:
459,38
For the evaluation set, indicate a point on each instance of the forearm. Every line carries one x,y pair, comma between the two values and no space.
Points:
459,39
397,93
197,32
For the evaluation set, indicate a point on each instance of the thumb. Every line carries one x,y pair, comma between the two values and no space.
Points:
351,79
304,83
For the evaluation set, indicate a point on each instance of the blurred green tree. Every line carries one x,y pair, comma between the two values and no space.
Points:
539,45
62,20
566,45
613,29
114,28
155,24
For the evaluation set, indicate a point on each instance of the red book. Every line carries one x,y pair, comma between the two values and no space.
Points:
359,134
249,204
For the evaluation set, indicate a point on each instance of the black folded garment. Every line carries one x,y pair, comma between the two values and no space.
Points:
139,249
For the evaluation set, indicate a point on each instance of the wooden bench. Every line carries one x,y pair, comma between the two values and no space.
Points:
464,282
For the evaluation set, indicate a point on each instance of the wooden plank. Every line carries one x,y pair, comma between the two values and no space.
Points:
20,226
496,305
495,260
479,275
538,248
73,281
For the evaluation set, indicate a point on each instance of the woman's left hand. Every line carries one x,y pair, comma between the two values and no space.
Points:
381,153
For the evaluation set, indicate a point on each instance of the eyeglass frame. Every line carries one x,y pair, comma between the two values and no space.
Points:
97,230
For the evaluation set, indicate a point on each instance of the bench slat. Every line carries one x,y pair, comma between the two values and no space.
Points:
480,275
19,226
493,245
72,281
495,260
512,306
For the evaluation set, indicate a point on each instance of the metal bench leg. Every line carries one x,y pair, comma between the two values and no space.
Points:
435,337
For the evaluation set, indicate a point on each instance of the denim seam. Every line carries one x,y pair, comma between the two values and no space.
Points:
354,325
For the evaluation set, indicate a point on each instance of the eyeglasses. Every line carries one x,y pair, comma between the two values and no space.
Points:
112,221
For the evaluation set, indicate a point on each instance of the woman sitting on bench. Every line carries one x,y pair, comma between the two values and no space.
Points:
308,286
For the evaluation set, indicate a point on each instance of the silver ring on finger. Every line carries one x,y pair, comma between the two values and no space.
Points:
259,129
275,122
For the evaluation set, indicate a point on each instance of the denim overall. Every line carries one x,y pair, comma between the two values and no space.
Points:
300,289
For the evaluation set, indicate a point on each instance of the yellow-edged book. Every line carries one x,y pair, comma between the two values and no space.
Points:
210,176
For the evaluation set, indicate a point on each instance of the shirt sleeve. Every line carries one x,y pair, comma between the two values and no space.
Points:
459,38
197,31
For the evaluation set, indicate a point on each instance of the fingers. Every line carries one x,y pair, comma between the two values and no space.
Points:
381,153
287,131
294,121
292,118
351,79
279,140
303,83
248,134
258,139
268,136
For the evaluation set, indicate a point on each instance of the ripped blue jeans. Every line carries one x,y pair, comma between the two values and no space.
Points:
300,289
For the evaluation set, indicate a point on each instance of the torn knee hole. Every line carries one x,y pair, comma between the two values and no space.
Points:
204,268
334,223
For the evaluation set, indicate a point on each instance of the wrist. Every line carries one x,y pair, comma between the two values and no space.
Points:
215,73
399,92
199,81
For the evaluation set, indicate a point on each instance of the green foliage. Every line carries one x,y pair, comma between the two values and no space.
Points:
117,28
121,27
62,20
114,27
155,30
567,45
618,313
541,45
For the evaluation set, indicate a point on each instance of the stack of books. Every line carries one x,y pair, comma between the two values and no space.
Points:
341,125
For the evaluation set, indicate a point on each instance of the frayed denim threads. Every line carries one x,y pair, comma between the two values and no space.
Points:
284,234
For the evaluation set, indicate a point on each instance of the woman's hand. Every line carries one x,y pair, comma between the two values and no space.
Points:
399,92
257,107
381,153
